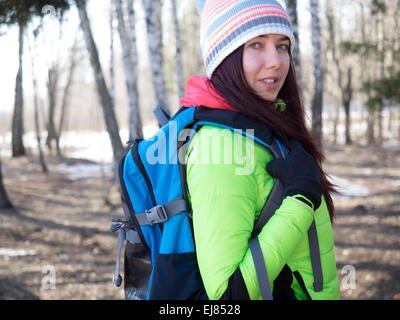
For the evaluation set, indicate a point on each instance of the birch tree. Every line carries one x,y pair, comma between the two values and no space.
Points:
18,12
191,52
136,126
5,202
67,92
112,60
345,87
292,11
317,100
36,100
104,95
367,77
54,75
52,86
367,74
178,54
129,56
379,9
347,95
17,128
154,35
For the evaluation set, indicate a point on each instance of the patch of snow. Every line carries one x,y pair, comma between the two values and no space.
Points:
392,145
85,171
16,253
394,182
349,189
5,145
94,146
149,131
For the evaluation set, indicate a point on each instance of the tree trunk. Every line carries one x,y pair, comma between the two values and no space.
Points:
392,117
104,95
347,96
336,123
135,120
112,60
370,126
154,35
52,94
292,11
191,53
37,129
366,76
18,148
129,56
5,202
380,34
345,89
317,100
399,129
66,94
380,122
36,106
332,41
178,55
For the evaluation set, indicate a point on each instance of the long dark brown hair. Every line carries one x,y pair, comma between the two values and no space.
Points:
230,82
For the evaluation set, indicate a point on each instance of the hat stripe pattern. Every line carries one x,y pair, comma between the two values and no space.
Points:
219,21
234,22
242,31
226,25
214,8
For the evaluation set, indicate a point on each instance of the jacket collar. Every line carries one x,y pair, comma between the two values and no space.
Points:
201,92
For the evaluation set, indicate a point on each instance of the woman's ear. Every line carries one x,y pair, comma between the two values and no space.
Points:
200,5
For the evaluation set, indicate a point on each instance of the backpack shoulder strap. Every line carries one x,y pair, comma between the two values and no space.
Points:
161,115
234,120
315,257
261,269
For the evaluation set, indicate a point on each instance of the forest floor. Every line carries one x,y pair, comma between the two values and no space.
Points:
62,249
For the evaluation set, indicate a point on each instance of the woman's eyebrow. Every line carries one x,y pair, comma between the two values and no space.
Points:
284,38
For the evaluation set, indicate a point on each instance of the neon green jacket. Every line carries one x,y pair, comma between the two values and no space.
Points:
228,185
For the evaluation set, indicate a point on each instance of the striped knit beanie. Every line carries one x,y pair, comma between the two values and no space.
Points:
228,24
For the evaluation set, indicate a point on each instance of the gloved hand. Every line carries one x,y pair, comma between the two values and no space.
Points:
298,173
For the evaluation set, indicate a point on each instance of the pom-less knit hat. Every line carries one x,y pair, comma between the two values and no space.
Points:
228,24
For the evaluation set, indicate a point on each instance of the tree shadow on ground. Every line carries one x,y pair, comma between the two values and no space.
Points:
11,289
54,225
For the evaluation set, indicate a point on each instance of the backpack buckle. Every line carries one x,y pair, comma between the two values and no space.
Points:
156,214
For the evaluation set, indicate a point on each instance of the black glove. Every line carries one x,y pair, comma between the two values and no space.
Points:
298,173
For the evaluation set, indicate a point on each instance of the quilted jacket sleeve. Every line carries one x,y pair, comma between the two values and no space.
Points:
225,205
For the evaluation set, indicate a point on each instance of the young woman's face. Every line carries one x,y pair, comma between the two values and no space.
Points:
266,63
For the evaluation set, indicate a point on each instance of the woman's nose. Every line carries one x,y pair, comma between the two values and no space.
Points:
272,59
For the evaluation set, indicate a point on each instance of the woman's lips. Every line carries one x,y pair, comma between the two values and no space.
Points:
269,83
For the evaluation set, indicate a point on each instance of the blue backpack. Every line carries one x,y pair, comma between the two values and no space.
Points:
160,259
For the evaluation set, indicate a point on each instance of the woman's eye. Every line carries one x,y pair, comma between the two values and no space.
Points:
284,46
255,45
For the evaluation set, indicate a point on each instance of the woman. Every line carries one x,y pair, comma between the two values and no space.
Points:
247,49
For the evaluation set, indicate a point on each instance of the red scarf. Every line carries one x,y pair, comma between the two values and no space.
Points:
201,92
